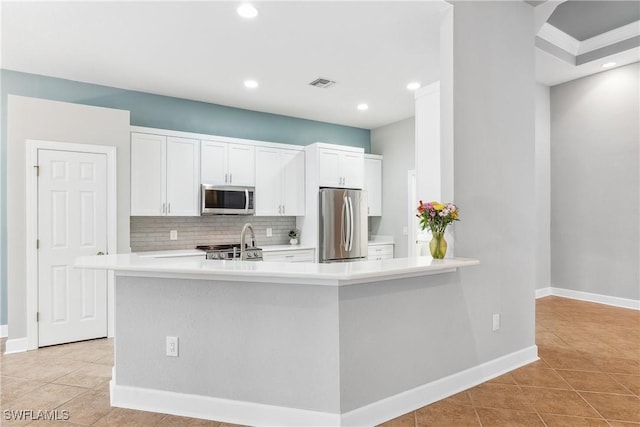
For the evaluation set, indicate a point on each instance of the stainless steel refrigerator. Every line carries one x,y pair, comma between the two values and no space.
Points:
343,225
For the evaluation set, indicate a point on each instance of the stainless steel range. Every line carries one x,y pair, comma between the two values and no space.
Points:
230,252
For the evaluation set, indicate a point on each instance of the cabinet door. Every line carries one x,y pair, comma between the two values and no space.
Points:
213,163
329,168
148,157
373,185
182,177
268,193
293,183
242,165
352,169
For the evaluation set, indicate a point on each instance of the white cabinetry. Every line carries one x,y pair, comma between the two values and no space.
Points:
279,182
164,175
373,183
340,168
378,252
224,163
289,255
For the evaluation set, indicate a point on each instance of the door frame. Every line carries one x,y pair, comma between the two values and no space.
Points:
31,232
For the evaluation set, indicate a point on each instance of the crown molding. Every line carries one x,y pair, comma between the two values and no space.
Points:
559,38
610,37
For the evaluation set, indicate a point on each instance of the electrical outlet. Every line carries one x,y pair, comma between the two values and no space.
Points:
172,346
173,235
269,232
496,322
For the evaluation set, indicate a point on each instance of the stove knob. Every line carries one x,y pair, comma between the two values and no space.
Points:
249,254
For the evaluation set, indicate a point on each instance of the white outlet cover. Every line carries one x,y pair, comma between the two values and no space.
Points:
172,346
173,235
269,232
496,322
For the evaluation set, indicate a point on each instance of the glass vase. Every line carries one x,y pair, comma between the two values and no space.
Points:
437,245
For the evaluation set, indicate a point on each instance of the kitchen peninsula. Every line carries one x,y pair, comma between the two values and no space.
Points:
278,343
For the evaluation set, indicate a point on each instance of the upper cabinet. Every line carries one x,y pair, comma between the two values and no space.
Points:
279,182
224,163
340,168
373,183
164,175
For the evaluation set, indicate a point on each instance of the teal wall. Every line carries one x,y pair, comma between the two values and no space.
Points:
166,113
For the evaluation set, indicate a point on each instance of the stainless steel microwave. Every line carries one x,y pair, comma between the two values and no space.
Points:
224,200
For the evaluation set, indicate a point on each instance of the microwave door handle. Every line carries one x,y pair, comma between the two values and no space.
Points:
246,200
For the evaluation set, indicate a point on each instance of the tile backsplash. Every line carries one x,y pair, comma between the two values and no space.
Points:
152,233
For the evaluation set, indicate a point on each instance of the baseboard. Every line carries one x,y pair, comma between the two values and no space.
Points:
589,297
211,408
410,400
16,345
248,413
4,331
543,292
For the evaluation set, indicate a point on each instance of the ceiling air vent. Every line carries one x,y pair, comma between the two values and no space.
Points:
322,83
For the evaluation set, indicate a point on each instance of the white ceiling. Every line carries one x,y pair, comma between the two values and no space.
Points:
203,51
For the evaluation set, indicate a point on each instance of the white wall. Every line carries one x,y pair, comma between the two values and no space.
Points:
595,134
543,187
493,90
31,118
396,143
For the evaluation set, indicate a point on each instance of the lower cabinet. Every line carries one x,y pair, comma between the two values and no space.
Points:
290,255
378,252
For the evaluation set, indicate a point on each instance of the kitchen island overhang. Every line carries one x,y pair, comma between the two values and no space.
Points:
290,344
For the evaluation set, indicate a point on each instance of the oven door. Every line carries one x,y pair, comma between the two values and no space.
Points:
227,200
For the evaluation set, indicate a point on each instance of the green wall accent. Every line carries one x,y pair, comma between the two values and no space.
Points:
162,112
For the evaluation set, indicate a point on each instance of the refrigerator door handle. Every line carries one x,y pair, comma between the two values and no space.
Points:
346,225
351,227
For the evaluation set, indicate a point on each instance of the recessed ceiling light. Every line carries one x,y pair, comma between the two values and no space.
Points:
251,84
413,85
608,64
247,11
363,107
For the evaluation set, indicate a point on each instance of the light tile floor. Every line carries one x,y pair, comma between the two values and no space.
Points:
588,375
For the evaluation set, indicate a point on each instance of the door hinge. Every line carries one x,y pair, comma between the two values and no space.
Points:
37,169
38,316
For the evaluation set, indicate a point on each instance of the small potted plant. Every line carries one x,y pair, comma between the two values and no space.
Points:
293,237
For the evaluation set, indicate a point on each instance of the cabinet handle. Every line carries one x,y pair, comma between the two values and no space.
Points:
230,178
169,208
279,209
284,209
226,178
289,256
163,206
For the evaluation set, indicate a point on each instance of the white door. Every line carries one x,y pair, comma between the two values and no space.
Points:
213,163
373,185
72,221
329,170
148,157
183,176
293,191
242,165
268,182
352,169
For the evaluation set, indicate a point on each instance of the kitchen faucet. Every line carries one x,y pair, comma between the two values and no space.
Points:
243,249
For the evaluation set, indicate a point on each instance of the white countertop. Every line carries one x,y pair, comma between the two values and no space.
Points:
335,274
170,253
380,240
174,253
